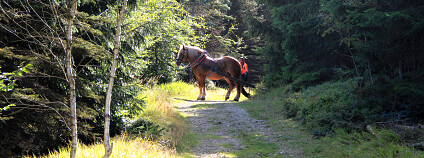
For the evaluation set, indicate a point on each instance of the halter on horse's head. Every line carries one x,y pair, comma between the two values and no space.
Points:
182,55
193,54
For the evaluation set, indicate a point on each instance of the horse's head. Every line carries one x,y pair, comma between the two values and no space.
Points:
182,55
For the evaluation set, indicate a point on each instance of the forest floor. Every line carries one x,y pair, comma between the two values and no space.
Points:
225,129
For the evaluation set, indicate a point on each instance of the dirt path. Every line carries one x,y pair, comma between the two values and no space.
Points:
220,125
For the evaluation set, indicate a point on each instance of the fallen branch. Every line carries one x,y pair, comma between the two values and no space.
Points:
369,129
419,146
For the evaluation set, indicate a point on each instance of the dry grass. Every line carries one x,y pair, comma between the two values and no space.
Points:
160,109
123,146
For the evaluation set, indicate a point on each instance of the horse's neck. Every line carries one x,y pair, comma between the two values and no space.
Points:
193,55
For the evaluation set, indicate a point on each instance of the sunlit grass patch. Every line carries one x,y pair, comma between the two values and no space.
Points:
227,154
123,146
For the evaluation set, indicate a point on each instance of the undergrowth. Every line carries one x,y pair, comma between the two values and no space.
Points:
384,143
159,120
335,115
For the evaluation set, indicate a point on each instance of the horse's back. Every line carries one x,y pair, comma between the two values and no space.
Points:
228,59
229,63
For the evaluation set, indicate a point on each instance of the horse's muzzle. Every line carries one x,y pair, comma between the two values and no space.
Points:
178,62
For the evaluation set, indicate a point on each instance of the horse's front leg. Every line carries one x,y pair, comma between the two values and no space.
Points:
202,90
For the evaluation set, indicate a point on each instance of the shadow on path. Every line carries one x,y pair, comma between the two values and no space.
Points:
199,101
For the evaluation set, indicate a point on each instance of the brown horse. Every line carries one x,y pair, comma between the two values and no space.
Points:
204,66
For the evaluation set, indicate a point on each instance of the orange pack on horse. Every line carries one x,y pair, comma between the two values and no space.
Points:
204,66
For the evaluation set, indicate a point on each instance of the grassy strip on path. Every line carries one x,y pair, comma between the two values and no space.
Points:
290,137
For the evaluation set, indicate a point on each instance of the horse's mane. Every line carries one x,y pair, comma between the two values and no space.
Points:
192,49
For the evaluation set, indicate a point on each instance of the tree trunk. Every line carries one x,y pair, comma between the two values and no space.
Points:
72,6
400,69
108,147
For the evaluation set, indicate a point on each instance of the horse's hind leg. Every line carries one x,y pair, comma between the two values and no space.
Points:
238,87
227,96
203,92
200,91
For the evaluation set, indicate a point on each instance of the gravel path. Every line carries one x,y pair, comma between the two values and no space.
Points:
218,125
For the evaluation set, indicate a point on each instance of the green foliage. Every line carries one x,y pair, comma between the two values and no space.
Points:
294,50
329,105
217,32
154,32
383,42
321,108
355,144
8,80
145,128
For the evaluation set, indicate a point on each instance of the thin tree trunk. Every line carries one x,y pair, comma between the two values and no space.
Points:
193,7
70,77
108,146
400,69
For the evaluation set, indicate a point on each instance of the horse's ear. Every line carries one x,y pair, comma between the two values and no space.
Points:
183,47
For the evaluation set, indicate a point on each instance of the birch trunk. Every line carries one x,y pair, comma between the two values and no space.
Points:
108,146
70,77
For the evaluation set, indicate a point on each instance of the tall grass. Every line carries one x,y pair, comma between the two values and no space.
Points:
159,109
364,144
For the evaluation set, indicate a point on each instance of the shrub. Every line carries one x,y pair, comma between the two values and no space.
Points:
329,105
145,128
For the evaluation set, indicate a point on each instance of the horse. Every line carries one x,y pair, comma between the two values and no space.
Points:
204,67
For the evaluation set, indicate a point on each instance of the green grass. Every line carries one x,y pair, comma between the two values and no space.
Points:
190,140
364,144
256,145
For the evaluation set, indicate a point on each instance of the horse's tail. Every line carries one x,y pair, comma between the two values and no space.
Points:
247,95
